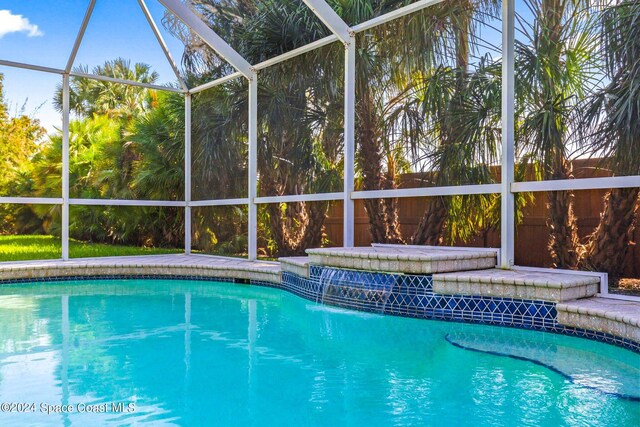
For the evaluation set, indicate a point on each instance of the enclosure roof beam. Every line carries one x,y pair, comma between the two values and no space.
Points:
331,19
216,82
125,82
269,62
87,76
297,52
199,27
33,67
162,44
395,14
80,36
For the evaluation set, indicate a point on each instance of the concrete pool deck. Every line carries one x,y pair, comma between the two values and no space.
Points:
453,272
147,265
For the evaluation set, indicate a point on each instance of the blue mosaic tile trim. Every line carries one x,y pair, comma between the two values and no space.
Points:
413,296
264,283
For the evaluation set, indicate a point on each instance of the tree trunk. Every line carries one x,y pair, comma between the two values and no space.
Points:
431,226
607,246
312,237
299,227
564,244
430,229
284,246
370,159
563,230
394,234
377,223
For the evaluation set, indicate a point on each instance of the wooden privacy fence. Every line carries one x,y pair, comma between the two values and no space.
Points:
532,233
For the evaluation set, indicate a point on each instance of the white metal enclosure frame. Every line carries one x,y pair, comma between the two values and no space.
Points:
345,34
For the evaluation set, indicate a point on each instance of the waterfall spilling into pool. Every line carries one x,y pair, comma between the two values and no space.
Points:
345,288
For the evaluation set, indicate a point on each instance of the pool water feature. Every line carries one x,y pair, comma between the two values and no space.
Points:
346,288
212,353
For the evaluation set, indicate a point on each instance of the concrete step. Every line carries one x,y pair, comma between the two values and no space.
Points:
612,316
539,285
298,265
398,259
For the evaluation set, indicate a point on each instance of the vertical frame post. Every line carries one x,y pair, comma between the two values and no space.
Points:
187,173
507,204
65,166
349,140
253,168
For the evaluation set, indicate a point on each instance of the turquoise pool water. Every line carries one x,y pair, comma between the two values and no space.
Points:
205,353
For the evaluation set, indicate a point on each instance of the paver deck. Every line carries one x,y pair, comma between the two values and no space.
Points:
145,265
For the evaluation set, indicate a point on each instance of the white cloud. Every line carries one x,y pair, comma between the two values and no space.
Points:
10,23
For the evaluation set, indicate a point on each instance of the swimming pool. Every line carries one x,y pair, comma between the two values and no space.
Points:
172,352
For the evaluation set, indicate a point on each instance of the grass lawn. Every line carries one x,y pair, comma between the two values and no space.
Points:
19,248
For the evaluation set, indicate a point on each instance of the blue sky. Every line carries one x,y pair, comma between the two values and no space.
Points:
48,32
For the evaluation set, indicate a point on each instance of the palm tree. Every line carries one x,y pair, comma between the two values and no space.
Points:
127,143
612,126
389,116
294,106
415,96
89,96
554,69
462,111
158,137
219,142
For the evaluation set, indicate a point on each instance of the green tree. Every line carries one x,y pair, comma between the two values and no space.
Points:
89,96
127,143
21,138
554,67
416,94
286,97
612,128
305,91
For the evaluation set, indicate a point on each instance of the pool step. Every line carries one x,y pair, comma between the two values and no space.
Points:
298,265
410,259
608,376
612,316
539,285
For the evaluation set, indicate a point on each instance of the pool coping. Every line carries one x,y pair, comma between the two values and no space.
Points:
146,265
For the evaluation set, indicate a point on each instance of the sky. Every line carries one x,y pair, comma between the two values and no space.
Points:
43,32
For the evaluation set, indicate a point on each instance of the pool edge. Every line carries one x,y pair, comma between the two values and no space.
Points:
421,302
